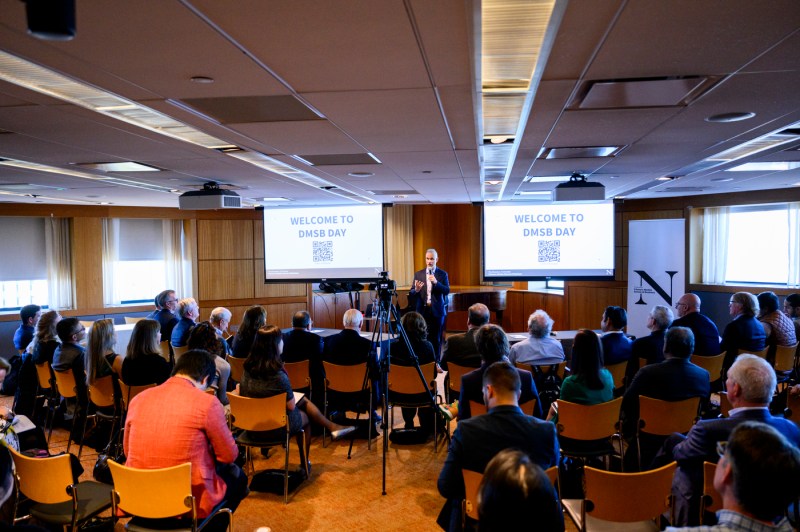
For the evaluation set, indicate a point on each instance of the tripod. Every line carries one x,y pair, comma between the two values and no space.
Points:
388,316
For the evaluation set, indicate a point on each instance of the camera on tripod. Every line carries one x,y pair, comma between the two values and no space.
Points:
385,287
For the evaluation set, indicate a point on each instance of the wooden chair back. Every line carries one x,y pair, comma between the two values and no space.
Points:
43,480
711,501
260,414
130,320
44,375
662,418
618,373
87,324
237,367
792,411
163,349
405,379
454,374
178,351
588,422
129,392
628,497
476,408
724,404
345,379
65,383
561,368
153,493
472,481
299,374
101,392
713,365
762,353
785,357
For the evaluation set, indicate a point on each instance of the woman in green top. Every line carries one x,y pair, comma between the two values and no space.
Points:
590,383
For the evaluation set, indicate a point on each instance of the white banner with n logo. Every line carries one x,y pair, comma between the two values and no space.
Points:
656,269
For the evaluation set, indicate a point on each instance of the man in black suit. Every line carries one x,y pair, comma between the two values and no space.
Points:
301,344
674,379
492,344
650,348
476,441
429,297
460,349
616,346
165,313
706,334
750,384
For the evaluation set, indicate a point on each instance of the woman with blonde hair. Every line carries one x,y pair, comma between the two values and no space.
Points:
144,363
40,350
100,355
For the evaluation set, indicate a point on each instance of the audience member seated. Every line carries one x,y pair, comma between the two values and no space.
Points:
349,348
777,325
264,376
254,318
539,348
706,334
177,423
791,307
745,331
674,379
220,319
417,332
189,312
100,355
650,348
514,490
477,440
204,336
166,305
301,344
492,344
616,346
590,383
144,362
29,315
460,349
750,384
39,350
70,356
756,476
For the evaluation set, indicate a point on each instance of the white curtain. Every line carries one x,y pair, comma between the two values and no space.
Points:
59,262
111,294
177,258
794,245
399,230
715,244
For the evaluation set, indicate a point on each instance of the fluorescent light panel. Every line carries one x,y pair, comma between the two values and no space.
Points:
774,166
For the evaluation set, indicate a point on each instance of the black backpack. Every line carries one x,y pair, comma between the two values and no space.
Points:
9,386
548,384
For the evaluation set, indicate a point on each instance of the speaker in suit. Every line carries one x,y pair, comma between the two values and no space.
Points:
431,302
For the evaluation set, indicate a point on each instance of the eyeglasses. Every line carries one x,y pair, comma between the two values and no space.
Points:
171,301
722,446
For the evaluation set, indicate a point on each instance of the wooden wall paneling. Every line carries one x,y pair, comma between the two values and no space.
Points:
225,279
87,262
454,231
514,315
323,310
224,239
258,239
281,314
262,289
555,305
588,301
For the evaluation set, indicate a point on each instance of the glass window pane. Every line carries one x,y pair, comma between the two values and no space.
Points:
140,280
758,247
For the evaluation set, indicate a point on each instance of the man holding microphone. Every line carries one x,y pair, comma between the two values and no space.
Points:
429,296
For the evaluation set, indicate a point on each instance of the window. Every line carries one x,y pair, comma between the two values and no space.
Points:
755,244
141,258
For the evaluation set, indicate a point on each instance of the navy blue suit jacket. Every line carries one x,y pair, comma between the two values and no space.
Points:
650,348
476,441
439,292
181,331
348,348
744,332
616,348
167,320
472,389
706,334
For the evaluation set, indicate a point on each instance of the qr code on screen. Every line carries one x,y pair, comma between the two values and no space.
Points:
549,250
323,250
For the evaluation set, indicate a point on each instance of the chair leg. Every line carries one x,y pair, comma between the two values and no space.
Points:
286,472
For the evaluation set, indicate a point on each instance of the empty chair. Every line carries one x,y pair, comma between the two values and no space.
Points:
299,375
159,494
57,499
623,498
257,416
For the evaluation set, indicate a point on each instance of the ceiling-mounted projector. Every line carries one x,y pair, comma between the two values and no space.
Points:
210,197
578,189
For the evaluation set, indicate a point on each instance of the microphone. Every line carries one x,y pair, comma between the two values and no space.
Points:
430,271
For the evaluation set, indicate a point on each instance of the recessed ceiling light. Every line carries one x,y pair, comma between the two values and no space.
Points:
360,174
546,179
722,179
400,196
124,166
730,117
773,166
201,79
620,197
665,178
534,193
493,182
275,199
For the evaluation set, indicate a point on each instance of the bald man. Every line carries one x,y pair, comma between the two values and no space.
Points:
706,334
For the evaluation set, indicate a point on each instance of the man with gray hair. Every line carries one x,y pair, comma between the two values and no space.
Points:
166,306
750,385
428,296
539,348
220,319
460,349
189,311
650,348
